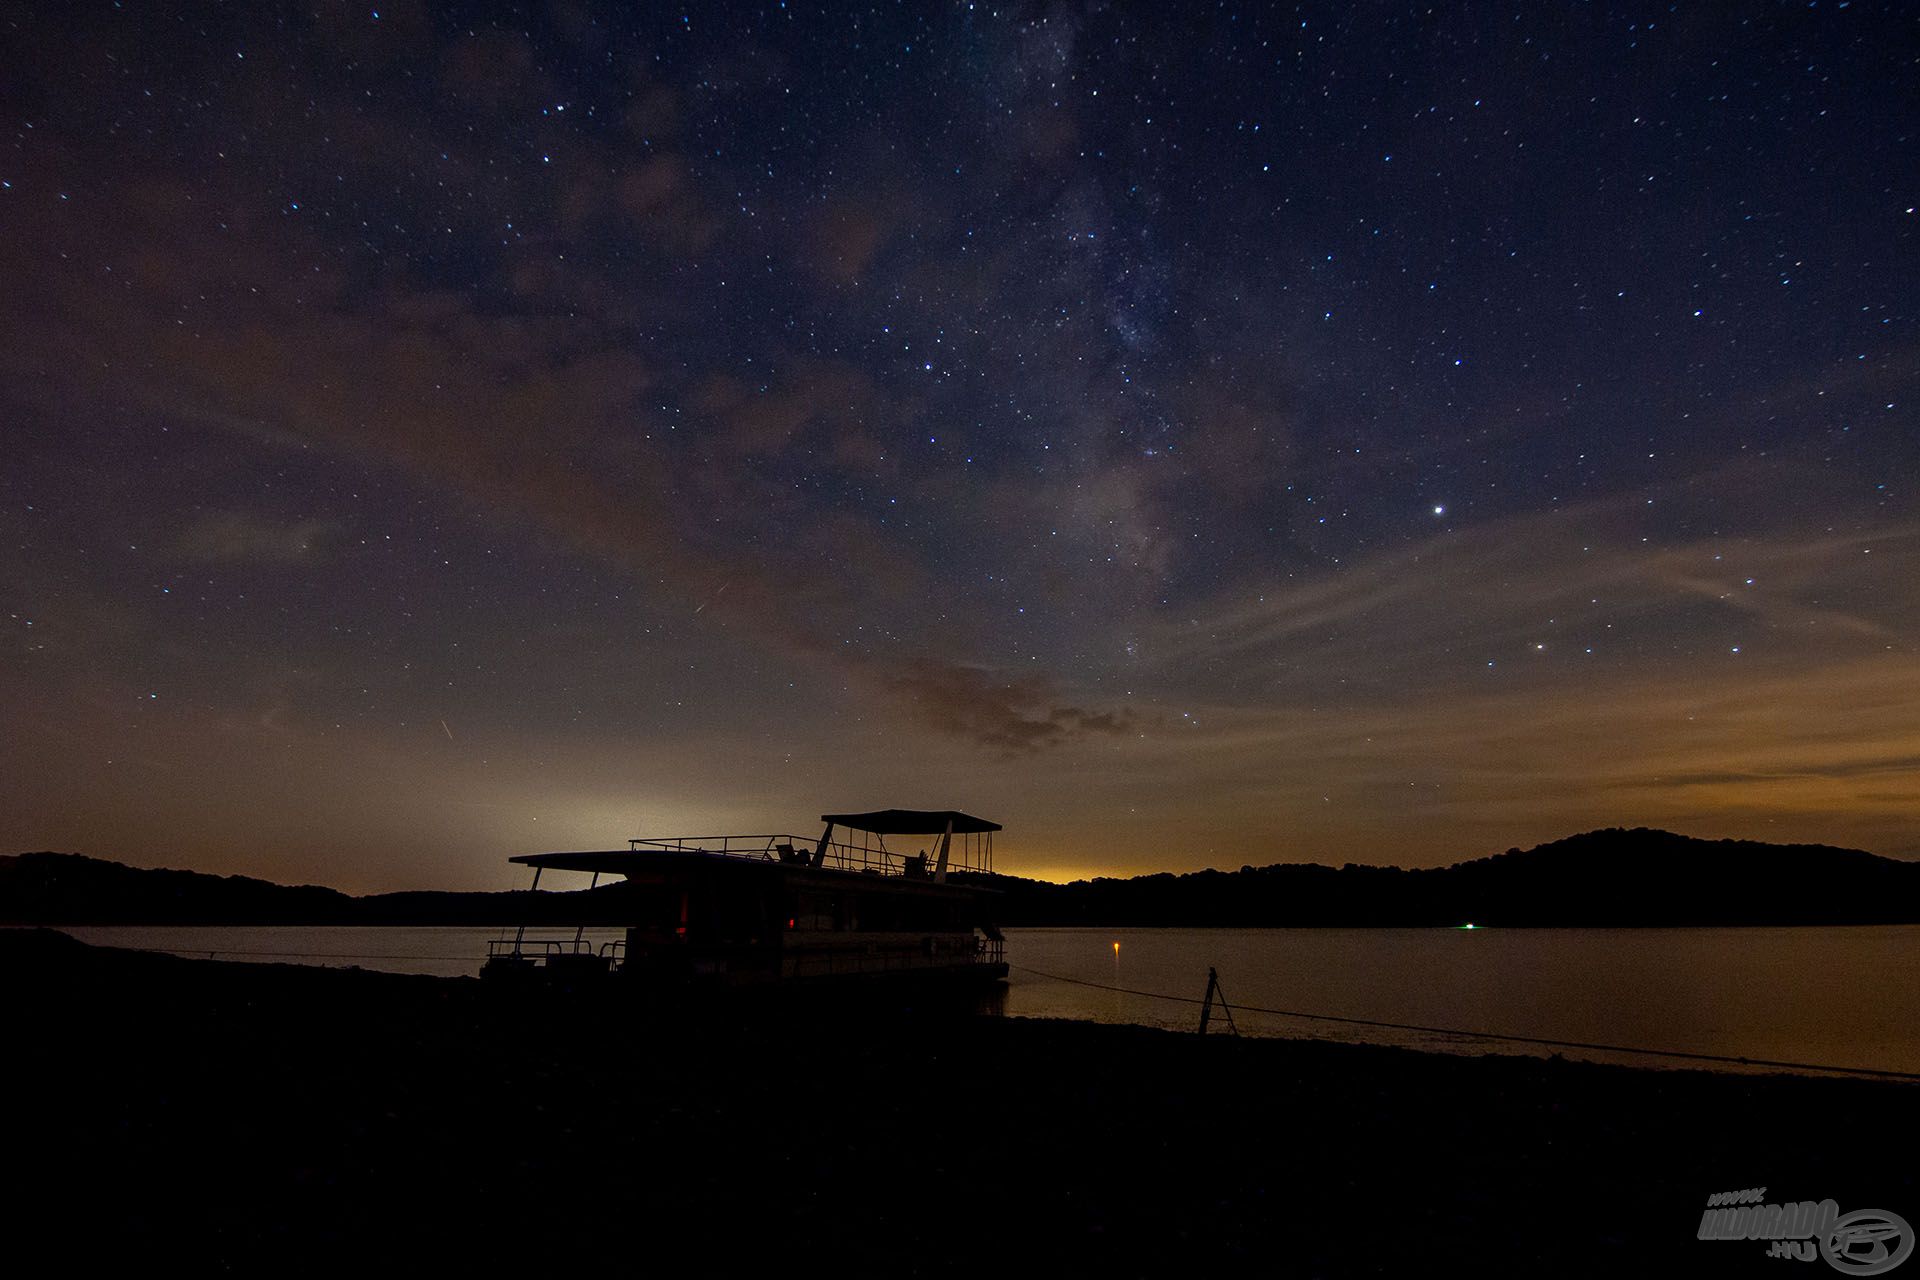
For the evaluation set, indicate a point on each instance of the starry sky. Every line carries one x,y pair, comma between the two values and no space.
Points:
1191,435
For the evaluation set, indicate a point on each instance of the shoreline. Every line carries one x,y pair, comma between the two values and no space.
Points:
241,1114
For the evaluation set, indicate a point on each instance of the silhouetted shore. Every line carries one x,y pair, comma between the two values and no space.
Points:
267,1116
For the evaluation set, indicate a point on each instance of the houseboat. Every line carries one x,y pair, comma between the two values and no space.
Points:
759,910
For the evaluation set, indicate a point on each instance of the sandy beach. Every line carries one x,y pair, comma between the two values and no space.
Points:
248,1117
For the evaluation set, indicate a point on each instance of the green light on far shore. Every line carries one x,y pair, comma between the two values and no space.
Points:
1468,925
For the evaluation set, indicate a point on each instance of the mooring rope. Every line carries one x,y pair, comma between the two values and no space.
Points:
1490,1035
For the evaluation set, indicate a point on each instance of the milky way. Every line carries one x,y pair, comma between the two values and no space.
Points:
1190,436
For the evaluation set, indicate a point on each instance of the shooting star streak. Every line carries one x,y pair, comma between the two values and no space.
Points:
447,731
715,596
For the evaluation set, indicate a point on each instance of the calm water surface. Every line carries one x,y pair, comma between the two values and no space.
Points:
1847,997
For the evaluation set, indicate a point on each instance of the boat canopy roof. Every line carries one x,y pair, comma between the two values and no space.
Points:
604,861
910,822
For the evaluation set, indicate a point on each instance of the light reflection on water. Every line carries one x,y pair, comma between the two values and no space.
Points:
1848,997
1841,996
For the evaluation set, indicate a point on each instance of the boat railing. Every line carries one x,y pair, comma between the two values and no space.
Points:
547,950
841,855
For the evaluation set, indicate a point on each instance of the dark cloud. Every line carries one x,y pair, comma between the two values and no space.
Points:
845,238
1009,715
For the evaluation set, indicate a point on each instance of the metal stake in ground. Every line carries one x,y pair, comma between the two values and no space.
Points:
1206,1005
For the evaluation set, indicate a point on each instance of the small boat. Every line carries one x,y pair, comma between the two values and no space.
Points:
747,911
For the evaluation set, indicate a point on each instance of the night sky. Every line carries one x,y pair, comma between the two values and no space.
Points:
1190,435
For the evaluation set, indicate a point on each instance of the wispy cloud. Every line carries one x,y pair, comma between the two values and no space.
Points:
1584,581
240,537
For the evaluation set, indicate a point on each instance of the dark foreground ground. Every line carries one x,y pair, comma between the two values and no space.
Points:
273,1118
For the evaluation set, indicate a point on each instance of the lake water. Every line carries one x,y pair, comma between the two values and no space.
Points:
1839,996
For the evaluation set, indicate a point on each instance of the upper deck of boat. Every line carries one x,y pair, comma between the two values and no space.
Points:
862,850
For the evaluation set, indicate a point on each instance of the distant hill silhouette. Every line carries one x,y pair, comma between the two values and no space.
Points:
69,888
1610,877
1613,877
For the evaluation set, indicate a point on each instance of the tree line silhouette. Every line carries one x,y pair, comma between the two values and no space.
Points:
1613,877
